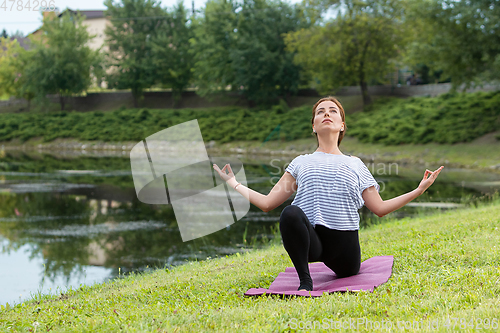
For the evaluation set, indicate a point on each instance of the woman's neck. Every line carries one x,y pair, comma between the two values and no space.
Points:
329,144
334,151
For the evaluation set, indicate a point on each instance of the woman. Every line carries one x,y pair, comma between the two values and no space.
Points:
322,222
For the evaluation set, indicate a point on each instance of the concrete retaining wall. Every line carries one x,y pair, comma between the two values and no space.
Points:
189,99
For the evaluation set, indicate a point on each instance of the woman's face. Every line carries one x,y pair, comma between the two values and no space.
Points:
327,117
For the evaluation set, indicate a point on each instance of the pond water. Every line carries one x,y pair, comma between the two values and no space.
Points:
73,218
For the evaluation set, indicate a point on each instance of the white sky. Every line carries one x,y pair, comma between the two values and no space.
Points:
27,20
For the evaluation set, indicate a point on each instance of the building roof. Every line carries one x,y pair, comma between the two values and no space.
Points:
23,41
89,14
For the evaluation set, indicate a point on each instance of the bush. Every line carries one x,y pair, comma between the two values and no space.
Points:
448,118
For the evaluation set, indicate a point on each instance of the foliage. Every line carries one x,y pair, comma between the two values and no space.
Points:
136,124
13,62
62,61
170,51
214,37
241,45
133,26
461,38
358,46
448,118
8,73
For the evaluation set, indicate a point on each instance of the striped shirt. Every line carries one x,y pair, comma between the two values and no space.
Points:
330,187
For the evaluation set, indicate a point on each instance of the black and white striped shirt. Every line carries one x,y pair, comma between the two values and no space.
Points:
330,187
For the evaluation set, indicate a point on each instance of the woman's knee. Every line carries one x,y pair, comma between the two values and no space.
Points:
347,270
290,212
351,271
290,215
291,218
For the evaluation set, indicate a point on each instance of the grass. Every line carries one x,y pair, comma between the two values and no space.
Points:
389,121
482,153
446,266
448,118
478,154
472,117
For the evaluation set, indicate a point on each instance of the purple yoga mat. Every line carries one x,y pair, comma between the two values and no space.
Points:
372,273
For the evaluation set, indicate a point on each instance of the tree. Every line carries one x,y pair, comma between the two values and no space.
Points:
359,45
13,63
262,65
62,60
214,38
170,52
4,34
461,38
8,73
133,25
241,45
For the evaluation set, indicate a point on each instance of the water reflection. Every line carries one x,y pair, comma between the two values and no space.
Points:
66,221
23,274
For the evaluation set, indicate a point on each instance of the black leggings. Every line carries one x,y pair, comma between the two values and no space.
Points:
338,249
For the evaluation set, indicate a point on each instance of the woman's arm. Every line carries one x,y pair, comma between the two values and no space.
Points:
279,193
379,207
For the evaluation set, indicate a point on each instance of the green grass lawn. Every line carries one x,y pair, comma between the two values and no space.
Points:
446,274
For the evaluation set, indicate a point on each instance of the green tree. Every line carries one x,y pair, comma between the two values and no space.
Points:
134,24
262,65
8,72
13,63
361,44
241,45
170,54
214,37
62,60
461,38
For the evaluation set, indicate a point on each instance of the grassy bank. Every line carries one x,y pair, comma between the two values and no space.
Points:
444,119
447,118
481,154
431,124
446,266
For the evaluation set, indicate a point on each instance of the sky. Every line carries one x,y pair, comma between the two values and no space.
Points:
13,18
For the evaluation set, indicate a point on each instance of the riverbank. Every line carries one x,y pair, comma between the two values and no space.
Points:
441,272
480,154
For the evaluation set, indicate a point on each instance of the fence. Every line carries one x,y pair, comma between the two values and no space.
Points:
189,99
431,90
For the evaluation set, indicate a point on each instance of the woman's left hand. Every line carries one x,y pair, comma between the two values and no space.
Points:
222,173
427,182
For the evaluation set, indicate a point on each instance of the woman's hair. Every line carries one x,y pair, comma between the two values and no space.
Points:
342,114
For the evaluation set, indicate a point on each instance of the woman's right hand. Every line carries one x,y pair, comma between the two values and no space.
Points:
222,173
426,182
